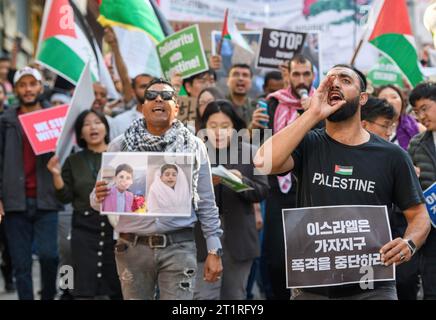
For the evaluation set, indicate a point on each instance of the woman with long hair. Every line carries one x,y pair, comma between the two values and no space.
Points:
226,146
92,244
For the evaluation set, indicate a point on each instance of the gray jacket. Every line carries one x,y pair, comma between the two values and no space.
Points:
12,176
423,153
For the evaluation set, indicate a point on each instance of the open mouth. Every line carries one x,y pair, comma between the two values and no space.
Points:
158,109
334,97
94,134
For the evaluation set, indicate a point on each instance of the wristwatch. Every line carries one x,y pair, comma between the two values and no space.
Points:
411,245
216,252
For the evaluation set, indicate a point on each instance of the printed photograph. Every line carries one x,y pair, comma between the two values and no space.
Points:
169,185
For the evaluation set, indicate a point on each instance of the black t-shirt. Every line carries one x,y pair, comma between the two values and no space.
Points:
374,173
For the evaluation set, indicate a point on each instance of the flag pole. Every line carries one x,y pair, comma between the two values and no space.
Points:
356,51
220,43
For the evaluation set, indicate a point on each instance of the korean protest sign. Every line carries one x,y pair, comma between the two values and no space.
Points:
278,46
182,52
430,201
327,246
43,127
187,109
148,183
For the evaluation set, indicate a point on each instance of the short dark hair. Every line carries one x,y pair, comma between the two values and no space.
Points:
375,108
241,65
78,126
195,76
140,75
397,90
300,59
214,91
360,75
162,81
168,166
272,75
424,90
225,107
124,167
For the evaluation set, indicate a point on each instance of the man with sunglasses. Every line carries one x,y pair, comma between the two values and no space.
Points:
143,261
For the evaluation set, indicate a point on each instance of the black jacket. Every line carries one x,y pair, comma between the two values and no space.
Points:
12,177
240,237
423,153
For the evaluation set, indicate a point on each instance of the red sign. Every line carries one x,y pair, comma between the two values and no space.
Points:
43,128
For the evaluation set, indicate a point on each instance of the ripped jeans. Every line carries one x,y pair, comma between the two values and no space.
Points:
142,270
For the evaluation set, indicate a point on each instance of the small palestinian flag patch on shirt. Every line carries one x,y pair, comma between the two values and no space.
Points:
343,170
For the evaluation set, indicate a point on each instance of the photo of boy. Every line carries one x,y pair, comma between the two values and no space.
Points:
119,198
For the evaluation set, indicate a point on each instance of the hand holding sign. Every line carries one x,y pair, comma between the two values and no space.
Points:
53,166
215,62
395,251
101,190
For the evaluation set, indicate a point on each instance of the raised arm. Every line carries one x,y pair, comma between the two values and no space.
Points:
275,155
111,39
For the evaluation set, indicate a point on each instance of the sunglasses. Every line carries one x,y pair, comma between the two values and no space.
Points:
152,95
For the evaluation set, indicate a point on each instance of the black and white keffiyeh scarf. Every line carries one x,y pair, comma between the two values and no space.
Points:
176,139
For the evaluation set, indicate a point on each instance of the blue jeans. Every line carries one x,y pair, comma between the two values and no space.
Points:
36,227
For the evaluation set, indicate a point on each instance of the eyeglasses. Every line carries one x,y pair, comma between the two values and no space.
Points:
390,128
165,95
420,111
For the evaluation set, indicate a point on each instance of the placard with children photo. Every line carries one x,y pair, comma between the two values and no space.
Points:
147,183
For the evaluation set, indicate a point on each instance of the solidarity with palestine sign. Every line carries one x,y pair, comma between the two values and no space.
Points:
336,245
182,52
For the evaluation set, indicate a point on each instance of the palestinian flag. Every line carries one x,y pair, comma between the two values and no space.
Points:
231,32
65,45
392,35
343,170
132,15
137,24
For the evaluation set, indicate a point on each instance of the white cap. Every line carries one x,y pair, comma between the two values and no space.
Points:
60,97
27,71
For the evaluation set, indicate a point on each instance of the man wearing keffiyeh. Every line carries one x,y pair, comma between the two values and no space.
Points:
284,106
143,262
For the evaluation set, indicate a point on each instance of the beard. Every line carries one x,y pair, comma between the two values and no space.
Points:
348,110
140,98
28,103
300,86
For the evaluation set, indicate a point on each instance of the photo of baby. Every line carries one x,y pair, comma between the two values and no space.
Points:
169,192
169,184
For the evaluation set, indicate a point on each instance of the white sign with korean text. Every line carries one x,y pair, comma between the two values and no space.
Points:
328,246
